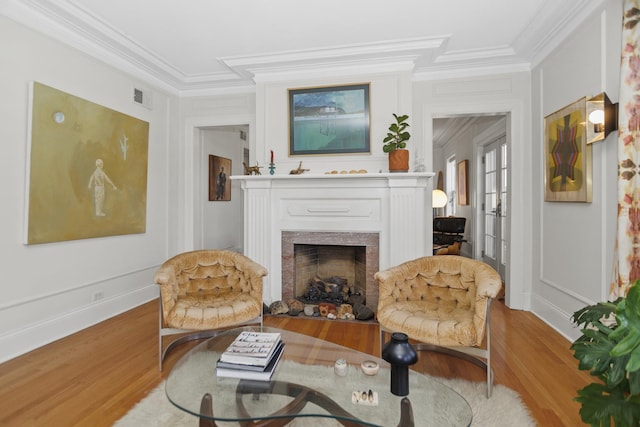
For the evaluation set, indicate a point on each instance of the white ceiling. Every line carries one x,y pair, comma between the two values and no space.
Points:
195,46
198,47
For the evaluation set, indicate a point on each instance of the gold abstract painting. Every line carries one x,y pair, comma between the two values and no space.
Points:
568,157
87,169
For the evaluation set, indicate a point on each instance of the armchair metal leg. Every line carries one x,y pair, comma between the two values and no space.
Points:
200,335
474,355
462,353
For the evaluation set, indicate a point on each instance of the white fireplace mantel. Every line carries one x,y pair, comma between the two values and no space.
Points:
397,206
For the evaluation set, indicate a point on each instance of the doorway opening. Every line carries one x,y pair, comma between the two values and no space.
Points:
483,140
218,223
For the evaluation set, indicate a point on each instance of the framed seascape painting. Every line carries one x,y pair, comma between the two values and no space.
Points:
567,155
329,120
219,184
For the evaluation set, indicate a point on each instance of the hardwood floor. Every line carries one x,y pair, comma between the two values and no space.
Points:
94,377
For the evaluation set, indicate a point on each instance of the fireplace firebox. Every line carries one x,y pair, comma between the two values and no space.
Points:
308,256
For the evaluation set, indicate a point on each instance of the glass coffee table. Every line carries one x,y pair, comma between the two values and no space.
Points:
305,390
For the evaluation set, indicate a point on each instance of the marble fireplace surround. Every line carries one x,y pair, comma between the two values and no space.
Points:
395,206
370,241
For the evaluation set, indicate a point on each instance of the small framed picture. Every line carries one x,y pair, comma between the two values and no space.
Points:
463,182
219,184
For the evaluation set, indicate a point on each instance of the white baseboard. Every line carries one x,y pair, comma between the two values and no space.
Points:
46,331
555,317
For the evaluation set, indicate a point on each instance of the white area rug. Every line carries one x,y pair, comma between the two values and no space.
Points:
503,408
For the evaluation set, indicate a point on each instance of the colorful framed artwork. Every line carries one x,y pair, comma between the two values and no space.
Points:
463,183
568,163
87,169
219,183
329,120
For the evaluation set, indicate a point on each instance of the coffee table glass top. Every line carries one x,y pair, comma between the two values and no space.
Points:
305,385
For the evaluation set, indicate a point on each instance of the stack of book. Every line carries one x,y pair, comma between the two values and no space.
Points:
252,355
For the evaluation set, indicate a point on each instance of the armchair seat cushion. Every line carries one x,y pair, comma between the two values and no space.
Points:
201,312
430,322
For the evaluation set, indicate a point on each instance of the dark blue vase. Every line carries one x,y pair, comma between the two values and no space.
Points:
400,354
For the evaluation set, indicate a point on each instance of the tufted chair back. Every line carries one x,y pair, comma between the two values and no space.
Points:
443,303
438,300
209,289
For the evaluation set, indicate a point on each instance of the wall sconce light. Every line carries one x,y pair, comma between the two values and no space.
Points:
602,117
438,200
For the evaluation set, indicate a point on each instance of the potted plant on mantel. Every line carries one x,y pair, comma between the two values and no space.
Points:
610,349
395,143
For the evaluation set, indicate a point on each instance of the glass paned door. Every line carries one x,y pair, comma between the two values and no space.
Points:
495,220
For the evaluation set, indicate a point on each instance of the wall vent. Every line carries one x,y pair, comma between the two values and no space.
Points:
142,97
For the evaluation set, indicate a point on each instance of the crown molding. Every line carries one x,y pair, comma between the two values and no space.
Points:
475,54
427,58
387,49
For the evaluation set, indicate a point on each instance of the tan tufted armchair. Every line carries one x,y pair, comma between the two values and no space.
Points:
443,302
206,290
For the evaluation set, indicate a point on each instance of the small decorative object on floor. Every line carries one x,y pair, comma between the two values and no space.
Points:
340,368
400,354
362,312
278,307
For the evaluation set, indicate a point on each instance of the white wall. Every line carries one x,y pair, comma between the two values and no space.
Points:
222,220
573,257
388,92
188,192
48,289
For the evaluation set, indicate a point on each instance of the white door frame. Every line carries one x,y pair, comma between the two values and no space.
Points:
518,272
193,192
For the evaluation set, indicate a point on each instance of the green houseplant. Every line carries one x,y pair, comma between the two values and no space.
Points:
395,143
610,349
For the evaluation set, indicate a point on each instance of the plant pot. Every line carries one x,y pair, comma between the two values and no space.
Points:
399,161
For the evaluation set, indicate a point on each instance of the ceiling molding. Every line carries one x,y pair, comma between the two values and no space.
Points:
329,70
388,56
387,49
475,54
545,34
71,22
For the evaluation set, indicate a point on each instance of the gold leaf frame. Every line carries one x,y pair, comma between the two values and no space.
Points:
567,156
